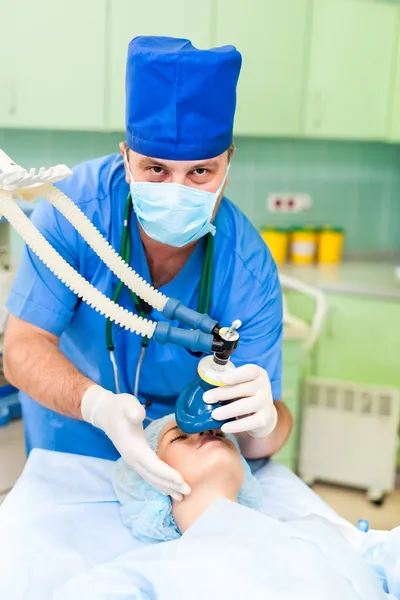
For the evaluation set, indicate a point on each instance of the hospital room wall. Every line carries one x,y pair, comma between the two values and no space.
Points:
354,185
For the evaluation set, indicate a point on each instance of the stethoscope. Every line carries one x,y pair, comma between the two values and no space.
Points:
143,309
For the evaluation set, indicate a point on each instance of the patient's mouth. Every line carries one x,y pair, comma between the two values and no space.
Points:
211,437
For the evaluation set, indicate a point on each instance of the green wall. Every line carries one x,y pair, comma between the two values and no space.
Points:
352,184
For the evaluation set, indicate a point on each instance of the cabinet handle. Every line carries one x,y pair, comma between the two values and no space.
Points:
12,102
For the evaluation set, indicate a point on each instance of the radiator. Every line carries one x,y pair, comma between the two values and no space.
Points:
350,435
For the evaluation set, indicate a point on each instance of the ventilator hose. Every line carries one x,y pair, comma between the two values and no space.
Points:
67,274
102,248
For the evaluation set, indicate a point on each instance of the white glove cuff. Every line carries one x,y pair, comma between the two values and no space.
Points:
90,402
264,431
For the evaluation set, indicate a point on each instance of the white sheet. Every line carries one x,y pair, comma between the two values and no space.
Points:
61,519
235,552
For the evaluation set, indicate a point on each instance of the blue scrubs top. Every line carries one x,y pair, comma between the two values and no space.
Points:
245,287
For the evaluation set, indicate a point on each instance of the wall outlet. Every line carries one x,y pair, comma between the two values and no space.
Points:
288,203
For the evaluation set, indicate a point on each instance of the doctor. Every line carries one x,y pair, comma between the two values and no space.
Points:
86,386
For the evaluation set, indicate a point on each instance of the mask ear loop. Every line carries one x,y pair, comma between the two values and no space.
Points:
127,167
220,188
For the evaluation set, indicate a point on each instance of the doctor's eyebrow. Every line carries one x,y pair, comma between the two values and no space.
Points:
205,164
146,161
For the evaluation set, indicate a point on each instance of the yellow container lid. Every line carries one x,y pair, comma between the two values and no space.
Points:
331,228
304,229
272,229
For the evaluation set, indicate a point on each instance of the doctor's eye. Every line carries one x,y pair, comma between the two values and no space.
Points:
201,171
157,170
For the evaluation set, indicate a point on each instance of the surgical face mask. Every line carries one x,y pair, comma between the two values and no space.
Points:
171,213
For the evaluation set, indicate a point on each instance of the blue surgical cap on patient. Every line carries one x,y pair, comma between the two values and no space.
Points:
180,101
147,511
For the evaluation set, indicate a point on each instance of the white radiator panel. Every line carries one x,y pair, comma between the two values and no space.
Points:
349,434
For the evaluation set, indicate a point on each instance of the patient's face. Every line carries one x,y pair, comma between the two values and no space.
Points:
202,456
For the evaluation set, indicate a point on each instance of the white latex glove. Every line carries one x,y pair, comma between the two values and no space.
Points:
250,390
121,417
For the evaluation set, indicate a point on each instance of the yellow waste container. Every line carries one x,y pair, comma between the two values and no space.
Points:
277,240
330,245
303,245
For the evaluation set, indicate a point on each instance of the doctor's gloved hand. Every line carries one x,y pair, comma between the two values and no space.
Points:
249,390
121,417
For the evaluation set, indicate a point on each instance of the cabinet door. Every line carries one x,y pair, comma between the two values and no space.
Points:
394,121
6,60
361,342
52,65
129,18
352,52
273,39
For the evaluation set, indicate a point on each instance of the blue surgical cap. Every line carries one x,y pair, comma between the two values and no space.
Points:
147,511
180,101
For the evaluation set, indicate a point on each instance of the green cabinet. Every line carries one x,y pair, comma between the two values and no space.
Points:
361,341
350,71
394,118
52,66
311,68
129,18
273,39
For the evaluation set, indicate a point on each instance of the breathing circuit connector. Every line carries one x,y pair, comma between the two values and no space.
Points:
175,310
226,340
194,340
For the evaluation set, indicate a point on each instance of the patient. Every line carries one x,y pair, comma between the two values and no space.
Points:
215,546
210,462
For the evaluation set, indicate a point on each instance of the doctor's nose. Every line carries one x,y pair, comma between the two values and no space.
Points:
178,178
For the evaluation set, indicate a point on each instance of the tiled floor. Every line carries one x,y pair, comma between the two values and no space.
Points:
352,505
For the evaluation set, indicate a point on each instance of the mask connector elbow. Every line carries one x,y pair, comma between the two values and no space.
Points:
196,341
175,310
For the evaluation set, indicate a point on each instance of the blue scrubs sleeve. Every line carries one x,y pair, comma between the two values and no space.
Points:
262,329
38,296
